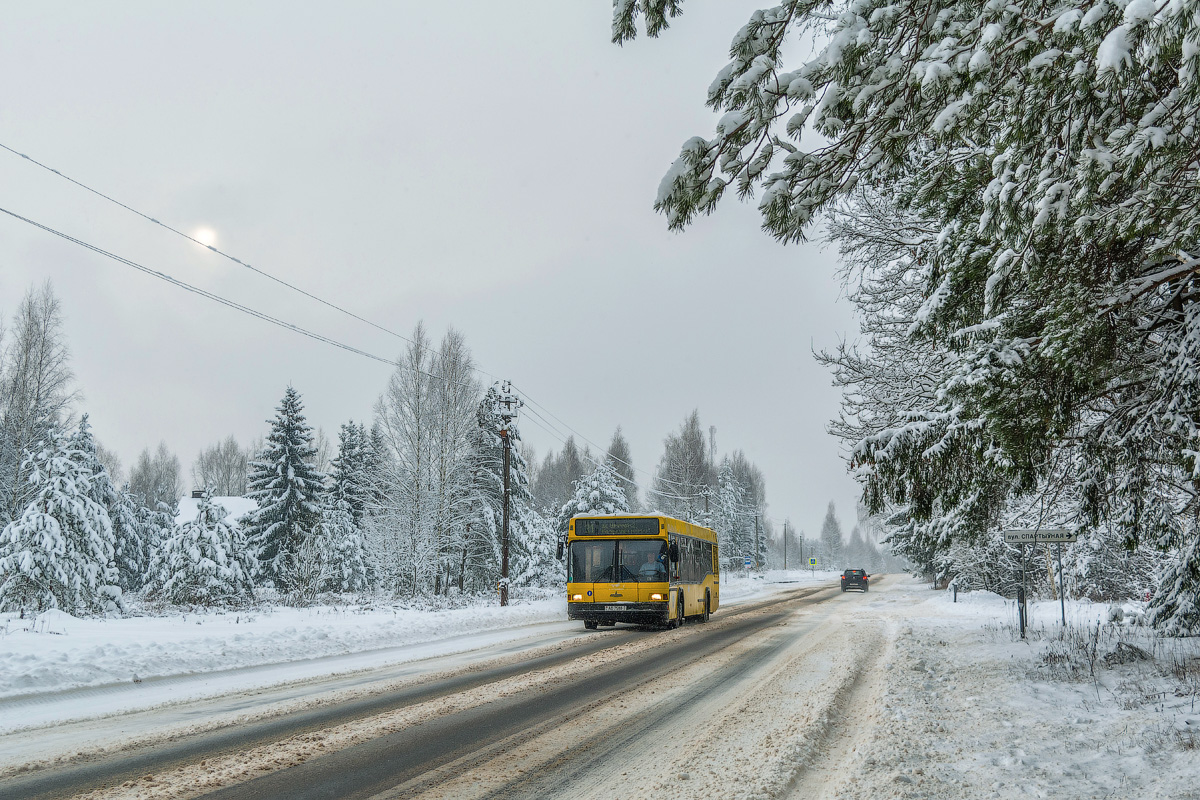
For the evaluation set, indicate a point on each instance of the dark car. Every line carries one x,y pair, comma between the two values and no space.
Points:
855,579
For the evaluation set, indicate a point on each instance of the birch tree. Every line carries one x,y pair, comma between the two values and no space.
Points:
36,392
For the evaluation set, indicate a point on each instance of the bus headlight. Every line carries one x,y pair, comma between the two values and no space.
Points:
656,596
577,597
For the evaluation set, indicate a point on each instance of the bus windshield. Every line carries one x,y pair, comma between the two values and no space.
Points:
618,561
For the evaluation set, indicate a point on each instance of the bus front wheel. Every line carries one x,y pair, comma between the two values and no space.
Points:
590,624
707,602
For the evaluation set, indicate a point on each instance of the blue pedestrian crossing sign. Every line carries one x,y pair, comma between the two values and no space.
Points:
812,562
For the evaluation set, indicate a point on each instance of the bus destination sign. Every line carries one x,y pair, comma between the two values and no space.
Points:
600,526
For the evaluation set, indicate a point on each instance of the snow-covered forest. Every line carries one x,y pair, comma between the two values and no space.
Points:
1011,187
407,504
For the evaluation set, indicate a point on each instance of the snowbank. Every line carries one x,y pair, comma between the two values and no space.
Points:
56,651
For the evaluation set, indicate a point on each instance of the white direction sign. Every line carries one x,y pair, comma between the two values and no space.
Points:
1031,535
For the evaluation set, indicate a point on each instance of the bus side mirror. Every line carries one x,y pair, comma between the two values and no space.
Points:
560,549
674,551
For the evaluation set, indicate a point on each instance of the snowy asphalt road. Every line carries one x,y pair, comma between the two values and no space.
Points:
428,735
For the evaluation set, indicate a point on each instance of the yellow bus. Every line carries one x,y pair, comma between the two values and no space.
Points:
645,570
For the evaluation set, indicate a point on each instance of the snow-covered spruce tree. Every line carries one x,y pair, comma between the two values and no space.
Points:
599,492
59,552
203,562
1049,149
732,517
287,487
130,544
620,459
350,469
340,547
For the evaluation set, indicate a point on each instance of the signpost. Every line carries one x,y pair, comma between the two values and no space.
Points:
1024,536
749,562
812,565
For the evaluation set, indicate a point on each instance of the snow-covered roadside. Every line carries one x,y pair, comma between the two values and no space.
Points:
55,652
968,709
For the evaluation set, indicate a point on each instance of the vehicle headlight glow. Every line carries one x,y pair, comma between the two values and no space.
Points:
577,597
656,596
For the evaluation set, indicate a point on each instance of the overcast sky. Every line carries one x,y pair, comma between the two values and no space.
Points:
488,166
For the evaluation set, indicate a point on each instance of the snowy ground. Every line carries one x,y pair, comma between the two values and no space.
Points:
968,709
897,693
145,661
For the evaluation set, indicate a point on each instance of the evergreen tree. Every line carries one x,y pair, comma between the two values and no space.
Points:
1048,302
341,548
597,493
620,459
732,517
130,547
350,470
59,552
203,562
287,488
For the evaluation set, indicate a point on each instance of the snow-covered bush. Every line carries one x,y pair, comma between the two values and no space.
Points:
204,562
59,552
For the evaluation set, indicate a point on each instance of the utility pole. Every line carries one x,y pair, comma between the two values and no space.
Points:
756,514
508,410
785,545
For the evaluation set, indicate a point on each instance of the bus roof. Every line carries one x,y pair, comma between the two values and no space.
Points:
672,525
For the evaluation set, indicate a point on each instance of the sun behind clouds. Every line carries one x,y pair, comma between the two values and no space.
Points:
205,236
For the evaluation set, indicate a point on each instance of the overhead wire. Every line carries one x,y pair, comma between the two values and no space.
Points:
228,256
219,299
303,331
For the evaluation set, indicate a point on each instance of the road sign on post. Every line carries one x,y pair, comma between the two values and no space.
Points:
1024,536
749,562
812,562
1035,535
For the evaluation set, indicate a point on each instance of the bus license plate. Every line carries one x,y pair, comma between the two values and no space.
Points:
614,608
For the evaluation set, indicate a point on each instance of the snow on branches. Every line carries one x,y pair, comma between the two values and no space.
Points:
1037,170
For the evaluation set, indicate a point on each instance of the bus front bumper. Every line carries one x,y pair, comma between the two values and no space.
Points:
636,613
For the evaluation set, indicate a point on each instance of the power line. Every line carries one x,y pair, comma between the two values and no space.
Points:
222,300
533,402
296,328
228,256
325,339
